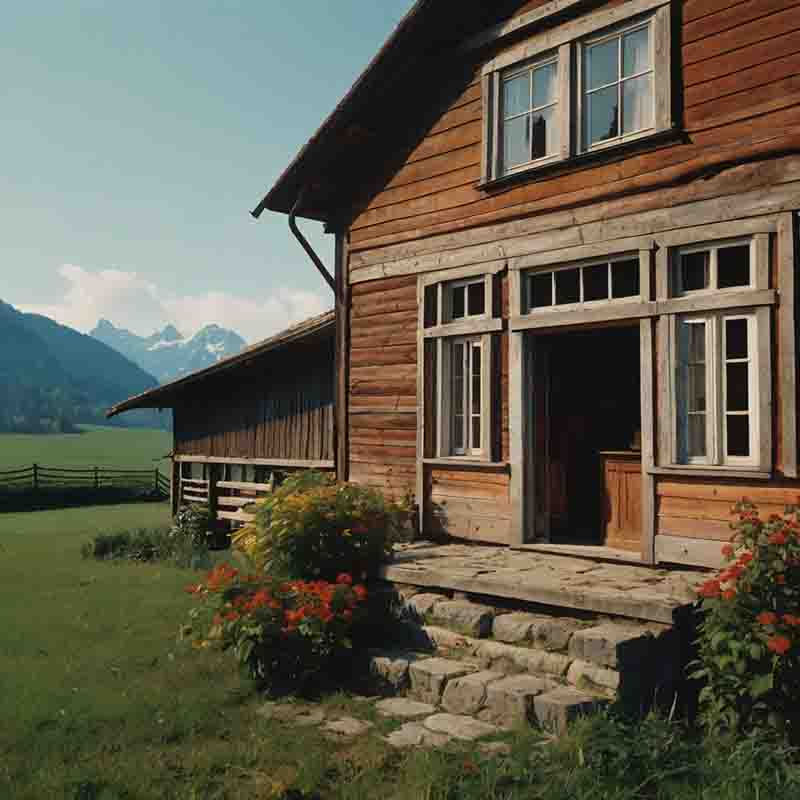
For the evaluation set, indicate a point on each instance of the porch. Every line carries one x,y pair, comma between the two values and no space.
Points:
522,576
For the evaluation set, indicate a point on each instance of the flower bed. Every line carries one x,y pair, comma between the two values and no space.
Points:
750,637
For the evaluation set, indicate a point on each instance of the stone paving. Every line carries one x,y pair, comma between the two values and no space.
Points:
625,590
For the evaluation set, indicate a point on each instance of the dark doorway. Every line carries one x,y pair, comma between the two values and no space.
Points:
592,422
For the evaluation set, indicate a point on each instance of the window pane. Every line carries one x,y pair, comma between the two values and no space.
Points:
458,396
636,52
476,432
544,85
696,444
637,104
735,338
457,300
517,142
595,282
545,132
695,270
696,387
476,298
733,266
602,115
696,337
476,379
625,278
602,64
568,288
738,434
737,392
431,306
517,95
541,290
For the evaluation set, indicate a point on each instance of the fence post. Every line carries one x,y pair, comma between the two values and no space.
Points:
35,477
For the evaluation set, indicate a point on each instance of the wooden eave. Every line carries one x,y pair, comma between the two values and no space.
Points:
166,396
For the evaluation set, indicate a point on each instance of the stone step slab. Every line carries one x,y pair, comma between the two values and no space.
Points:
617,644
458,726
422,604
555,709
429,677
536,630
415,734
510,701
510,658
404,708
467,695
468,618
391,669
592,678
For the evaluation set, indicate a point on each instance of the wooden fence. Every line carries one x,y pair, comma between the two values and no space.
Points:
39,484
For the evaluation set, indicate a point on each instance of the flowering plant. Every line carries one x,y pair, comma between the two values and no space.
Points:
750,636
312,527
285,635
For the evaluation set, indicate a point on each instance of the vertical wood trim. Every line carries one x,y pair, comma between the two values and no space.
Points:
645,274
565,98
487,170
663,393
442,396
648,433
787,336
765,400
662,40
487,401
521,457
662,273
421,410
494,113
213,477
342,360
515,293
761,244
175,485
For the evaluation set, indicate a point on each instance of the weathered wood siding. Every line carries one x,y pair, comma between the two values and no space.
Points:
741,92
279,406
383,384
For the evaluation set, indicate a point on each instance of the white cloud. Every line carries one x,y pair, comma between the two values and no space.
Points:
132,302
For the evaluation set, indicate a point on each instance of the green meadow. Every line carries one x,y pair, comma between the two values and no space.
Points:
135,448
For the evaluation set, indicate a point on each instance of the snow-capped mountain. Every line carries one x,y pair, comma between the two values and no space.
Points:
167,354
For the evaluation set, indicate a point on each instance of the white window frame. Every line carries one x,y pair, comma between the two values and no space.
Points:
759,391
581,92
447,419
566,43
713,249
445,301
527,308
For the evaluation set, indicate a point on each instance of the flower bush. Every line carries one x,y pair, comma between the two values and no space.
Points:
287,635
750,636
313,528
147,544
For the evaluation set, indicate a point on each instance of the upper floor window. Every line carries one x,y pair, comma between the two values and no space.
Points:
464,299
529,114
593,83
618,98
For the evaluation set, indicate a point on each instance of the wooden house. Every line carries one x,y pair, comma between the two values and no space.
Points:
565,268
267,409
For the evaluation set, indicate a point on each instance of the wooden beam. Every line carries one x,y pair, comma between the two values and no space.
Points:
342,358
421,408
787,338
468,327
647,357
522,456
291,463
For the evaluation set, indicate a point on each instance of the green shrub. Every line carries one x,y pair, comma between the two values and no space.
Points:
313,528
750,636
287,636
146,545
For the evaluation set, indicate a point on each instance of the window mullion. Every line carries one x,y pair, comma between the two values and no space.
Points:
716,377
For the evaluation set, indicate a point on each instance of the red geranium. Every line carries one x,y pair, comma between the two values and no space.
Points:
780,645
345,578
767,618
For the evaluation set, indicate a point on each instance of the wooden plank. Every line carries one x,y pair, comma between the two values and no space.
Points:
718,300
236,516
730,492
692,552
407,421
466,507
723,20
236,502
787,336
260,462
583,316
474,527
711,529
419,485
245,486
466,328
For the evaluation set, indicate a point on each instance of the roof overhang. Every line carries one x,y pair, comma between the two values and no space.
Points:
165,396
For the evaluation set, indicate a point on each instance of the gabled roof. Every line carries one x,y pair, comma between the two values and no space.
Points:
164,396
332,162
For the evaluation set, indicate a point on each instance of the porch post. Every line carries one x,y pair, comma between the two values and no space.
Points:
519,386
648,436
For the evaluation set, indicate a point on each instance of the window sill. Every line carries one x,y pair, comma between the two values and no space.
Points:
686,470
464,328
466,461
581,161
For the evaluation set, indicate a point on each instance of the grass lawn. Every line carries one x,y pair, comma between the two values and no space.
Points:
98,699
95,446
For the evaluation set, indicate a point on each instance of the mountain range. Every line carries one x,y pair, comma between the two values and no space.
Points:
167,354
53,377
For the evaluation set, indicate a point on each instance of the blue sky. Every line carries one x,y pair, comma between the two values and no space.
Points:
139,135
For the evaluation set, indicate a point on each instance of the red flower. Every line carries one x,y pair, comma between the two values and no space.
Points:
767,618
780,579
778,538
710,589
745,558
360,592
791,620
345,578
729,594
232,616
727,550
779,644
347,615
